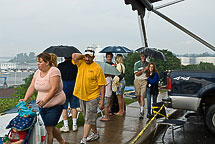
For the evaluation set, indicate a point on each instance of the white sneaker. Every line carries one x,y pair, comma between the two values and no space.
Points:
64,129
78,109
74,128
93,137
83,141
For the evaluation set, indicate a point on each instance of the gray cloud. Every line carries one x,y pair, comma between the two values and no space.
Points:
29,25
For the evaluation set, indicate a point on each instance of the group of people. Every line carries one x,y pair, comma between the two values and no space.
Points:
80,82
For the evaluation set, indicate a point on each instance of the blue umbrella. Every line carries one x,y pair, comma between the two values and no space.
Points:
115,49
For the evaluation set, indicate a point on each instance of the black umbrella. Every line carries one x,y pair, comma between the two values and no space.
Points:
115,49
62,51
152,52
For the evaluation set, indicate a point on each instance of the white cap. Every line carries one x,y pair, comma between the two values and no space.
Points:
89,51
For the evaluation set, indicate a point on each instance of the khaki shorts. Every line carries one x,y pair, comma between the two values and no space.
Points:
89,110
140,87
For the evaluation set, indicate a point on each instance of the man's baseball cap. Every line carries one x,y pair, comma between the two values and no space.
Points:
89,51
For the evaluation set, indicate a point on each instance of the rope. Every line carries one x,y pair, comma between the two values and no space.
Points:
143,130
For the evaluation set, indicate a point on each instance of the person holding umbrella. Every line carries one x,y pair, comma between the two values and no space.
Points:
140,81
90,82
69,72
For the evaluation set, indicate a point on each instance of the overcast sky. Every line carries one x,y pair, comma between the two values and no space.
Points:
34,25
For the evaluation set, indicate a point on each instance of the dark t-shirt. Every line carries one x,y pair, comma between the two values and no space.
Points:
68,70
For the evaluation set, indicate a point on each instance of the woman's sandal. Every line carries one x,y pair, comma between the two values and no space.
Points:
104,119
119,114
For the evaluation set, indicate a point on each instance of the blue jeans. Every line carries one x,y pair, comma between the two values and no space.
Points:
149,99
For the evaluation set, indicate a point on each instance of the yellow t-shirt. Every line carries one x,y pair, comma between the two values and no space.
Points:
89,78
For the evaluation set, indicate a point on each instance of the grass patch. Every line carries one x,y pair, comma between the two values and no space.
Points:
129,101
9,103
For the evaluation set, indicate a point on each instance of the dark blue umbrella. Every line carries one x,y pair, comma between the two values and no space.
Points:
152,52
62,51
115,49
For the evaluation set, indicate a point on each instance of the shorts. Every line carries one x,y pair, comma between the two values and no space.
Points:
51,115
73,101
107,101
120,89
140,87
89,110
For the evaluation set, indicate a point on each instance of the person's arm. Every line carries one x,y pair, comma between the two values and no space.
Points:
18,142
140,72
30,91
76,57
102,91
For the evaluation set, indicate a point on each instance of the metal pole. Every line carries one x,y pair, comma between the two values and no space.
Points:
167,4
184,30
143,30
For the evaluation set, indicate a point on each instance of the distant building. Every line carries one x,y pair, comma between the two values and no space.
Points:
196,60
5,66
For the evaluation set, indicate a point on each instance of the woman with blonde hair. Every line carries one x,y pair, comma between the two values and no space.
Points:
120,90
152,86
50,98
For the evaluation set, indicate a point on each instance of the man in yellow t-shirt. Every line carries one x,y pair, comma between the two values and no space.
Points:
90,82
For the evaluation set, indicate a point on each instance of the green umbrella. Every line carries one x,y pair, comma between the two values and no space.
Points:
108,69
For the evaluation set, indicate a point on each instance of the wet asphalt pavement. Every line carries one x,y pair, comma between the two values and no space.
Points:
195,132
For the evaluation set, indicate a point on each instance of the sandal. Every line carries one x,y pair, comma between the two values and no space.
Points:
119,114
104,119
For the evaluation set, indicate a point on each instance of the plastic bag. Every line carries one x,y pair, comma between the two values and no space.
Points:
39,134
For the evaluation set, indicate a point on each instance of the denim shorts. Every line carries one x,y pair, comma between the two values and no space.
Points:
73,101
51,115
120,89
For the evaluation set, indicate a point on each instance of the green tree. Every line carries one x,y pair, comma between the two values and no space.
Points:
129,61
201,66
172,63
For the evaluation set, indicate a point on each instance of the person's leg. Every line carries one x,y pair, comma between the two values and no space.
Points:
90,120
57,135
74,119
94,129
148,100
155,98
87,128
65,117
65,127
74,115
106,109
121,106
143,84
137,91
50,130
121,102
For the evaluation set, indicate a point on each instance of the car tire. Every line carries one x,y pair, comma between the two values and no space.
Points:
210,118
